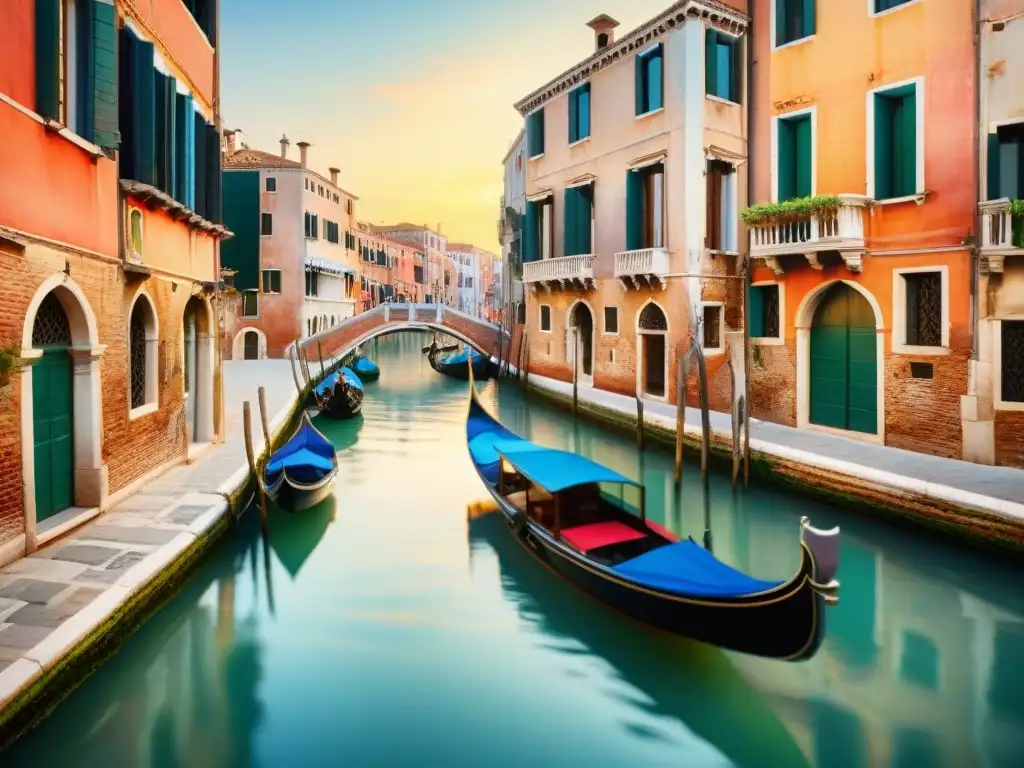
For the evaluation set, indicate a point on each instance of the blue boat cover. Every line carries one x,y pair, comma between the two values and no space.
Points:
351,378
327,384
365,365
686,568
463,356
303,457
307,456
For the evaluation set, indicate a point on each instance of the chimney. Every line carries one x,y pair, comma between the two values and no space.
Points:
229,140
303,152
284,146
334,175
604,31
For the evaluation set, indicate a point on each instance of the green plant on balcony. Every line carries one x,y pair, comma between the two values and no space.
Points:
10,364
1017,222
790,210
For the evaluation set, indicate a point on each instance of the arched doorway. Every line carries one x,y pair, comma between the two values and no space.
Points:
652,371
251,345
844,362
581,320
197,369
189,365
53,413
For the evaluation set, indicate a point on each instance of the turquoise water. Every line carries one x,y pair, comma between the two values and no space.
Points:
384,629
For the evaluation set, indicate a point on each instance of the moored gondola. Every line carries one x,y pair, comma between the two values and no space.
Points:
365,369
564,509
301,472
339,395
457,365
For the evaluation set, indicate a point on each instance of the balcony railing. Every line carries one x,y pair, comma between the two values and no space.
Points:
1001,235
565,271
839,230
642,268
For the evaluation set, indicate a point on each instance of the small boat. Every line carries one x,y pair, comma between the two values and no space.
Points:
301,472
457,365
562,507
339,395
365,369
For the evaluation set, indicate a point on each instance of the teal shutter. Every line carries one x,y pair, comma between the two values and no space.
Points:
190,152
200,165
85,72
804,160
781,14
583,107
756,321
213,175
170,148
569,223
638,79
735,70
883,148
585,210
535,133
993,166
48,58
574,125
144,111
905,124
711,62
655,81
634,210
810,23
531,244
180,132
160,90
104,76
787,160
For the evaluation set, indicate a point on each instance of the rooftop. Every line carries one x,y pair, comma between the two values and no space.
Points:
247,158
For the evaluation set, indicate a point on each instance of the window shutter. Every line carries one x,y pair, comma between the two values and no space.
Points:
531,244
161,134
711,62
735,70
569,228
787,160
802,131
756,312
171,138
634,210
583,106
781,17
585,210
144,111
48,58
638,76
180,115
810,23
906,131
213,177
574,125
201,167
883,148
655,81
993,166
188,118
85,71
104,76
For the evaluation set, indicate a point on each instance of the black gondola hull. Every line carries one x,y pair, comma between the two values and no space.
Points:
342,402
482,369
292,499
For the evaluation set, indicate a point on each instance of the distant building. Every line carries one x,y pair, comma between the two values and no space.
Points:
384,259
511,218
439,275
294,253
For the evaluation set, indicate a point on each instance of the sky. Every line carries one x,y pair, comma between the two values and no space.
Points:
411,99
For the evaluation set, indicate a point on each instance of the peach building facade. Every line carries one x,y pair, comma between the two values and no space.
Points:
633,188
439,273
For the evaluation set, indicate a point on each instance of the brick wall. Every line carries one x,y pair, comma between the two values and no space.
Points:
1009,438
924,414
773,382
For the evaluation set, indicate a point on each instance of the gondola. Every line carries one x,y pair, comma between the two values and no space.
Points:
301,472
562,507
365,369
339,395
457,365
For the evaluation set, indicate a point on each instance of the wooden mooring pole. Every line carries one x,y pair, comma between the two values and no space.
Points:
680,414
639,422
575,370
320,352
253,466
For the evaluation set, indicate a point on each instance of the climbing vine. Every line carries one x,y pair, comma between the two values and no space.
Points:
10,364
778,213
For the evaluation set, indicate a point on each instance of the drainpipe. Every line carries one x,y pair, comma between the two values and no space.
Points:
975,302
219,421
747,265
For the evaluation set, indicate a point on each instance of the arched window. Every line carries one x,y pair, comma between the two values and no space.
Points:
653,319
251,345
316,323
332,321
142,357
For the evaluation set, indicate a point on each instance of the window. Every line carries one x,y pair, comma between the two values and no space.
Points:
312,283
306,182
250,303
711,327
923,319
348,207
535,134
545,318
795,150
312,225
521,312
135,234
538,243
579,113
579,220
720,230
722,65
765,322
1006,162
266,224
332,232
1011,348
885,5
271,184
645,207
919,661
794,20
896,144
142,356
611,320
648,69
270,279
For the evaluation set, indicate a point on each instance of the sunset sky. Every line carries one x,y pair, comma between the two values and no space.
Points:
411,99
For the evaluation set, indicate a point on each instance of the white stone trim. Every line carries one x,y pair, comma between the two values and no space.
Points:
540,318
720,349
640,350
997,365
813,112
604,331
770,341
803,321
918,83
152,389
899,312
585,379
791,43
887,11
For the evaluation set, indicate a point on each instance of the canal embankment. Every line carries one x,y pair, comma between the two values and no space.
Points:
69,605
970,501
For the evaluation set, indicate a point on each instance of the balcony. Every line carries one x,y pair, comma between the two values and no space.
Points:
575,272
810,233
1002,233
643,268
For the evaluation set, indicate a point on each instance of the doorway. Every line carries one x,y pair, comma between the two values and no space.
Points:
652,330
190,364
581,320
251,342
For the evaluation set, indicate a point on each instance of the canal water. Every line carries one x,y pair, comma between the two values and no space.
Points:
385,629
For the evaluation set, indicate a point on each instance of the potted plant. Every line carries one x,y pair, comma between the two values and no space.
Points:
10,364
774,214
1017,222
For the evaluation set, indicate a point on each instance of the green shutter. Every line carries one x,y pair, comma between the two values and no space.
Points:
569,223
170,148
574,122
634,210
161,89
213,175
144,112
735,70
810,23
531,249
804,160
655,81
584,215
905,181
535,133
85,72
786,160
710,62
104,76
781,13
201,187
756,312
883,148
48,58
993,166
180,132
583,108
638,88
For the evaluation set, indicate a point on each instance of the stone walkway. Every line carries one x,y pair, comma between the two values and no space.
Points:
996,489
53,598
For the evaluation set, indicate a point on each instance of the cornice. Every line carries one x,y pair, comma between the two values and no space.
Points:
716,14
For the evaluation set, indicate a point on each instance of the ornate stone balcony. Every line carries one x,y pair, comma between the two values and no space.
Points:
809,235
562,272
642,268
998,236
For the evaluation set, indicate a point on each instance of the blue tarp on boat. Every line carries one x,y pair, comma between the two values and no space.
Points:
307,456
556,470
686,568
327,384
463,356
365,365
351,378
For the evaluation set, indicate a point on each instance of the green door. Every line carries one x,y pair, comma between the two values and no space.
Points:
844,362
53,420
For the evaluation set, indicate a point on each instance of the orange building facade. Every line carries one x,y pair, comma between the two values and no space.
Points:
109,240
864,192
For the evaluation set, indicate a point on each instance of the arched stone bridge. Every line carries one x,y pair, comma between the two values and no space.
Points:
393,318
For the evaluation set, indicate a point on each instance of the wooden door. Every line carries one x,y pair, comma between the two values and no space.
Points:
654,364
53,426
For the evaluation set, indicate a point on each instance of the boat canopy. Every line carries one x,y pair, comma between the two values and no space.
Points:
365,365
555,470
463,357
350,378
